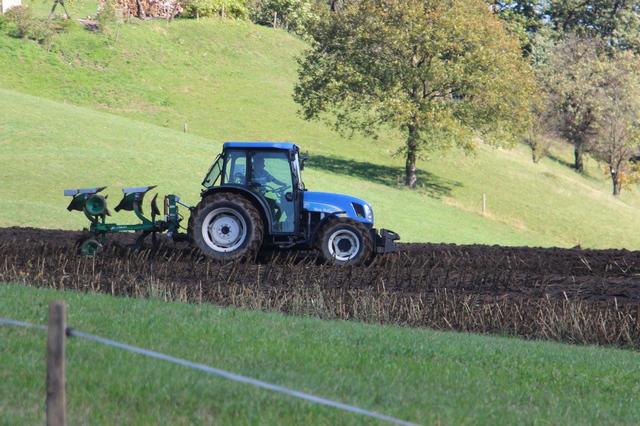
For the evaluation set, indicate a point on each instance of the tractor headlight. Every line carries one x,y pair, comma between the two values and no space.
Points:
364,211
368,213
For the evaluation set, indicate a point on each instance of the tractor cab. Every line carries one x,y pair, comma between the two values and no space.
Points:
269,173
266,178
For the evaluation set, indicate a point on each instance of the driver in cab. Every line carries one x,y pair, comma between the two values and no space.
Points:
260,178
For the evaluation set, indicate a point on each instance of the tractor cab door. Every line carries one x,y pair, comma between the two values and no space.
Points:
271,178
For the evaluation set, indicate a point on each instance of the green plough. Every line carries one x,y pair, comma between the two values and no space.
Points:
94,206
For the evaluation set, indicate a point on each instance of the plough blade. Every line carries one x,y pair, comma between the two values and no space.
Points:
87,200
133,197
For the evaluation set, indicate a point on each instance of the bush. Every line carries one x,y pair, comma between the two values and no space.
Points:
539,145
19,22
292,15
105,16
225,8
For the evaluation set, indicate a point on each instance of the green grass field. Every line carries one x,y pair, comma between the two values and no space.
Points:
418,375
107,111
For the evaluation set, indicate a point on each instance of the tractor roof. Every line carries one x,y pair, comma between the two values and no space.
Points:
259,145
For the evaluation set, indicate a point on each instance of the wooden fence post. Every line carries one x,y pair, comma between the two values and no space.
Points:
55,365
484,204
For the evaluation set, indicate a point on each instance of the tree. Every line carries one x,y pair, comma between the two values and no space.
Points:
573,77
443,72
618,131
617,22
539,135
523,17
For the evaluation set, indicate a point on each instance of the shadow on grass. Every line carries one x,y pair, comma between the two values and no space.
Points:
432,185
588,172
560,161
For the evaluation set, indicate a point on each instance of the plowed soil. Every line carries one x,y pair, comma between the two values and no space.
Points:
585,296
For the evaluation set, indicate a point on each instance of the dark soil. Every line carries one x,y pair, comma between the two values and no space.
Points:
584,296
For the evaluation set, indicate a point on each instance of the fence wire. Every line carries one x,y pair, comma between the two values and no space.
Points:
216,372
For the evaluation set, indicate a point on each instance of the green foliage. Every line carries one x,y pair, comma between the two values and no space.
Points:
616,22
106,16
292,15
593,101
573,76
524,18
538,135
617,133
19,22
225,8
441,72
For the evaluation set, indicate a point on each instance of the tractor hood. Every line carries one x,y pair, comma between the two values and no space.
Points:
328,203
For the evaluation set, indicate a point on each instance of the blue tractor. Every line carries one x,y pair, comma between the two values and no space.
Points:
254,197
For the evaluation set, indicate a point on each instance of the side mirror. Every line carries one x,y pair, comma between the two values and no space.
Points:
303,158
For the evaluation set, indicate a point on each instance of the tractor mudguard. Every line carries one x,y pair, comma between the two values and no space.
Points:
260,203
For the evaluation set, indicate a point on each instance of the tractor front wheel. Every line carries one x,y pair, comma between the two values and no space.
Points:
226,227
344,241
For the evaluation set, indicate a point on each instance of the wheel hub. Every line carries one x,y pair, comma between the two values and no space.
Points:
344,245
224,230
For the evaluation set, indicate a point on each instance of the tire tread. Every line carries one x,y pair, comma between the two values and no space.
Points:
253,246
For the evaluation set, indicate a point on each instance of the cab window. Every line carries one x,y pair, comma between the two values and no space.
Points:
271,178
236,170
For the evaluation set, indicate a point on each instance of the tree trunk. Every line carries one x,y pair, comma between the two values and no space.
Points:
578,154
615,181
410,178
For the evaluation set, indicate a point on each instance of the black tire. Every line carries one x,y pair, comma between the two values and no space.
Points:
346,230
236,210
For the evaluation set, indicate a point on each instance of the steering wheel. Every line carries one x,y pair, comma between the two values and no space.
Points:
238,178
272,187
280,190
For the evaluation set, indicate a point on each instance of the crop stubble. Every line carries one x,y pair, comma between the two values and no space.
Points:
578,296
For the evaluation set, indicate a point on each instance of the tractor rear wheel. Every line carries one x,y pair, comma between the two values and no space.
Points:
344,241
226,227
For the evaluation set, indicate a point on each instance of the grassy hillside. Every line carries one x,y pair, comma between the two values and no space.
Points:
229,80
419,375
48,146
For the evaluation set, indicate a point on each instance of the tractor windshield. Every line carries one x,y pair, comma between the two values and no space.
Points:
213,176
